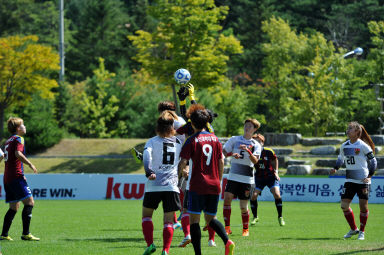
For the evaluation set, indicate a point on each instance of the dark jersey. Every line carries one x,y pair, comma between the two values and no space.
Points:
205,151
187,129
13,166
264,168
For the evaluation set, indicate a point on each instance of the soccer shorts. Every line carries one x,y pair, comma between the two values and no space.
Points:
207,203
350,189
170,199
17,190
239,189
260,183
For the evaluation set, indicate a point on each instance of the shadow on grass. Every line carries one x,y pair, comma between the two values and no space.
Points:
96,165
306,238
106,240
360,251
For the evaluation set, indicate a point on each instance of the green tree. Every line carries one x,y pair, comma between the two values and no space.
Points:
25,67
187,35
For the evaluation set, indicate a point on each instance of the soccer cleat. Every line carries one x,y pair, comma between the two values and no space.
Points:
137,155
229,247
228,230
255,220
281,221
176,225
164,253
187,240
351,233
361,236
211,243
29,237
150,249
6,238
245,232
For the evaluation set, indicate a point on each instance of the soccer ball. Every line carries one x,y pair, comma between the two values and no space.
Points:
182,76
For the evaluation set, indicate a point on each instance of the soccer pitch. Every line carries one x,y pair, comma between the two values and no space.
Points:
114,227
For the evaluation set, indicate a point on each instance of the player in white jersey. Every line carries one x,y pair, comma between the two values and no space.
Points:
161,158
245,153
357,153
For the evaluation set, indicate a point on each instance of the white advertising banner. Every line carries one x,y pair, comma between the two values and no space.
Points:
131,186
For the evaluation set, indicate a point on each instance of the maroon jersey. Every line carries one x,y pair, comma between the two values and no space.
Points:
13,166
205,151
264,168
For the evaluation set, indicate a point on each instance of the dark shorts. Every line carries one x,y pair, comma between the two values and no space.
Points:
351,189
16,191
260,183
206,203
170,199
185,202
239,189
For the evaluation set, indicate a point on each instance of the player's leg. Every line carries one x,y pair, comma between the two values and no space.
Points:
185,222
244,216
363,194
171,204
228,197
8,218
150,203
26,218
348,192
275,190
254,205
195,206
210,213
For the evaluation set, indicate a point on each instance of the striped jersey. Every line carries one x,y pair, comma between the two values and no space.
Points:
355,158
161,155
264,168
242,168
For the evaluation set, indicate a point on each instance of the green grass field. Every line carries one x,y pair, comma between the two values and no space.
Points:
114,227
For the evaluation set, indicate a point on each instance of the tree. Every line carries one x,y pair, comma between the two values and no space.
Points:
187,35
25,67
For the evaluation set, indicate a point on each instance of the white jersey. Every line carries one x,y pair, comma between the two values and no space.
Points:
176,125
161,156
242,168
1,153
355,158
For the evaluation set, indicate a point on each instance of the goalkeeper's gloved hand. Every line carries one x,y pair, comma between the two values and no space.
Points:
182,94
191,92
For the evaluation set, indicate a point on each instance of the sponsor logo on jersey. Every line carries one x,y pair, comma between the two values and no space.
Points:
357,151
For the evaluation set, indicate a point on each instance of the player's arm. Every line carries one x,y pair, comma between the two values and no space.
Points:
275,165
24,159
372,165
254,158
147,160
221,168
191,93
182,168
339,163
182,94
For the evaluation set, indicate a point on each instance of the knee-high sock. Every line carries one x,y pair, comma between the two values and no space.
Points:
219,229
245,219
196,238
185,224
147,226
211,233
350,218
26,216
167,236
174,217
227,215
8,218
254,206
279,207
363,220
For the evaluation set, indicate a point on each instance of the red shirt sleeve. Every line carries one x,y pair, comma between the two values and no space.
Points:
186,150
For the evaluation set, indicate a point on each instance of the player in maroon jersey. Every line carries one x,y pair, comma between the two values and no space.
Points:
15,184
267,175
206,153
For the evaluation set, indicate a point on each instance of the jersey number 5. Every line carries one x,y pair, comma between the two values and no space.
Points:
6,152
168,156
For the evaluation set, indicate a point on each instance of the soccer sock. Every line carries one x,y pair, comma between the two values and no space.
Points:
174,217
185,224
219,229
279,207
196,238
350,218
245,219
211,233
363,220
8,218
167,236
254,206
147,226
227,215
26,216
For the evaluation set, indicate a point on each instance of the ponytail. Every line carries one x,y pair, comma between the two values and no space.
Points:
366,138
